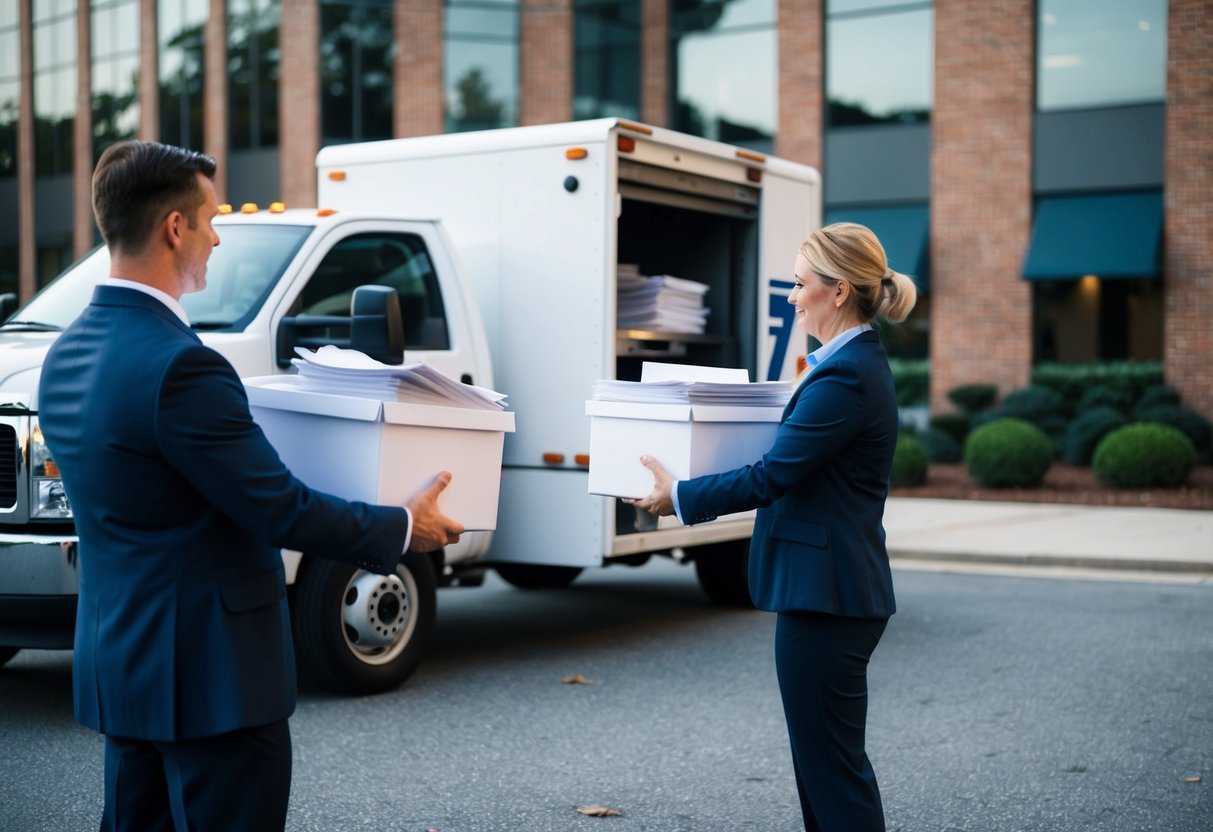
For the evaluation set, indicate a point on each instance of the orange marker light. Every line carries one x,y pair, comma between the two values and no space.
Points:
326,212
575,153
753,174
638,128
225,208
751,156
553,458
582,459
277,207
626,144
248,208
336,175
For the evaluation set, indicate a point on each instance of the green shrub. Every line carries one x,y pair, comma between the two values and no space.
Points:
1055,428
1007,453
955,425
971,398
1158,394
1070,380
1115,396
911,380
1144,454
940,445
909,462
1194,426
1084,433
1032,404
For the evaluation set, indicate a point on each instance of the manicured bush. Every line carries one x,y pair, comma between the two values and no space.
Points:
971,398
911,379
1144,454
1008,453
1115,396
1070,380
1032,404
1055,428
955,425
1196,427
1084,433
941,447
1158,394
909,462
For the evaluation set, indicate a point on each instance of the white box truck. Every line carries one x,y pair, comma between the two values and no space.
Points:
503,248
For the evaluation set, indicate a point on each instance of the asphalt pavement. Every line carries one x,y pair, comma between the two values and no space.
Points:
1050,538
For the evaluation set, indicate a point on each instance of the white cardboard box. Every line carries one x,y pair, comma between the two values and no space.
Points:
384,452
690,440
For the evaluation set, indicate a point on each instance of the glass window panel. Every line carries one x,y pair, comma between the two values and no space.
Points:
606,54
181,24
849,6
253,58
10,55
10,98
1098,53
8,15
879,68
726,69
356,71
481,65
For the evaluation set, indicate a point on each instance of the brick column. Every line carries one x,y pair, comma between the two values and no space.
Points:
655,62
801,81
417,87
149,71
214,93
299,101
82,136
545,82
981,195
27,248
1188,290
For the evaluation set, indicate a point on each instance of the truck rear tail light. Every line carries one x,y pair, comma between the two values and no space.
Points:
582,459
753,174
626,144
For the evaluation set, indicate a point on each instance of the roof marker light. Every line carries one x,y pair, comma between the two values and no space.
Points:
326,212
248,208
277,207
336,175
225,208
575,153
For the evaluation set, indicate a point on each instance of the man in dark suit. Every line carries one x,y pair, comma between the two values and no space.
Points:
817,555
183,654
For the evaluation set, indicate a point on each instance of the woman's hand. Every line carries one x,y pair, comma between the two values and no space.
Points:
659,501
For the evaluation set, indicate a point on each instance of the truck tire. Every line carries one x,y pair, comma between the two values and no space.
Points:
723,572
7,653
360,633
534,576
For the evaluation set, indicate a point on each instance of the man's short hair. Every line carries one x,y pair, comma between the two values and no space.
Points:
137,184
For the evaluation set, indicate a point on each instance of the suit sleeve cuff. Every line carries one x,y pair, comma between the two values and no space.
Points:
674,500
408,530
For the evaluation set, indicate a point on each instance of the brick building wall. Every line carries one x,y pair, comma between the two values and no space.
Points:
981,200
654,62
1188,295
801,81
149,71
82,139
299,101
545,81
417,83
214,93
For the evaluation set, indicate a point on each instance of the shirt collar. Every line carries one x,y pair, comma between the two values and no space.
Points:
164,297
835,344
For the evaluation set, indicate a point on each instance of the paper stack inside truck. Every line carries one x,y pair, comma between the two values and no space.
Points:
661,303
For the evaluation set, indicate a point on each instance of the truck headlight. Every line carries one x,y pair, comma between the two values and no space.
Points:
48,500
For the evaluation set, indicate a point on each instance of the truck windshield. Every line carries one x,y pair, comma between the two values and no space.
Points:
239,277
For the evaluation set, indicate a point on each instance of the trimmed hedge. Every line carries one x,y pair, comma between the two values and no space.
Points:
1008,453
1114,396
971,398
1084,433
1158,394
955,425
941,446
909,462
1144,454
1071,380
911,380
1033,404
1196,427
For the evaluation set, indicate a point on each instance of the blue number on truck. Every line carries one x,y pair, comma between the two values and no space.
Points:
783,317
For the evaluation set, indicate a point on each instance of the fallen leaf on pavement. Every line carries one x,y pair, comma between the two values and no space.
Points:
599,811
577,680
1193,779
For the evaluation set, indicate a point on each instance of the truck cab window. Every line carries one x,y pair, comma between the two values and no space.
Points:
399,261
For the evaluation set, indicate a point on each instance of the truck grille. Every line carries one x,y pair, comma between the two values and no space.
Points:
8,467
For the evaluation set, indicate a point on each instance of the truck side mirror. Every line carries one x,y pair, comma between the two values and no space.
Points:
376,327
8,305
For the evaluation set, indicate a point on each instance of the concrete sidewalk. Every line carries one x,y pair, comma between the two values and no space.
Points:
927,533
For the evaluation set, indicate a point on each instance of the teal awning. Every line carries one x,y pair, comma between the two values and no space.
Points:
902,230
1108,235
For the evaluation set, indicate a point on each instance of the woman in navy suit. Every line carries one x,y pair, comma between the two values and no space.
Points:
817,556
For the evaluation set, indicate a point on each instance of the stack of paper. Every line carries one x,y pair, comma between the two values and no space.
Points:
659,392
344,372
663,303
764,394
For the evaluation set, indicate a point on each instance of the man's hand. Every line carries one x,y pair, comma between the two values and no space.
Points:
431,528
658,501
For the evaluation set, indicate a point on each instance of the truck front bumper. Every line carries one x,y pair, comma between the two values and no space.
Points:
39,579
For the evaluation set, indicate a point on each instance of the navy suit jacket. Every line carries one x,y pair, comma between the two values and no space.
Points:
181,506
820,491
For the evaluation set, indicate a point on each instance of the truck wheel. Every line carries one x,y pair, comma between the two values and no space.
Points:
7,653
534,576
357,632
723,572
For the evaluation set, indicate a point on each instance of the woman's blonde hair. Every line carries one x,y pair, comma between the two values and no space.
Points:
849,251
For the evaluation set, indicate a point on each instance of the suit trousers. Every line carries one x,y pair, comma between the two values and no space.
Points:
236,781
822,661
